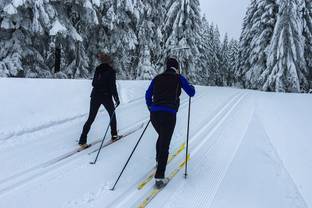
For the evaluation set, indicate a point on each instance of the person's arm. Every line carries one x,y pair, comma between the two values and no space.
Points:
187,87
95,77
114,89
149,95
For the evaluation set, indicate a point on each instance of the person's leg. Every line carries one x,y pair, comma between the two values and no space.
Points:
155,123
166,129
110,108
94,107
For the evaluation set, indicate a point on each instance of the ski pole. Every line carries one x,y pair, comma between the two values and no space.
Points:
112,189
98,153
187,137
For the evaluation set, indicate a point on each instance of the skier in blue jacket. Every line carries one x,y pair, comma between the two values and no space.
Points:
163,100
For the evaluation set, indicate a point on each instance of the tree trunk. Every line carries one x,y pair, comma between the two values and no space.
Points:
57,55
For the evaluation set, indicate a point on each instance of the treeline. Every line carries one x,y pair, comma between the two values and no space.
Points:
57,38
60,38
276,45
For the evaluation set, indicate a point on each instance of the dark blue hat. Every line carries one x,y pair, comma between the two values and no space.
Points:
172,63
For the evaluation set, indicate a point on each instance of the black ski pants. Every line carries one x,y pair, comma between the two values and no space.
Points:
164,124
95,104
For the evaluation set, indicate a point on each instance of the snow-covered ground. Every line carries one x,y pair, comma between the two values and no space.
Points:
248,149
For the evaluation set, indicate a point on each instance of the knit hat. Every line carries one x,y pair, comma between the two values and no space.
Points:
172,63
104,58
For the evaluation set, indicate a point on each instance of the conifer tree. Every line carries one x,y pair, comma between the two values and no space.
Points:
286,70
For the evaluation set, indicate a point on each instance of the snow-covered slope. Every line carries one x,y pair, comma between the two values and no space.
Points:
248,149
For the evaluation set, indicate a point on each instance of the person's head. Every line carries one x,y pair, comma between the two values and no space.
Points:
104,58
172,64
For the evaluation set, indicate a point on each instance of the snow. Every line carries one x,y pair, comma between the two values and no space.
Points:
18,3
248,148
10,9
57,28
96,2
75,35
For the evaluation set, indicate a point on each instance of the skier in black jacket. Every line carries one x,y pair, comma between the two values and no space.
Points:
163,100
104,89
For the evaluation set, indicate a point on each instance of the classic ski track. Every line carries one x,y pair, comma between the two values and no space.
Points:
48,165
57,162
217,173
54,123
214,140
130,193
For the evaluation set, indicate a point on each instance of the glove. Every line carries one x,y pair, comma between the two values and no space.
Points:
149,108
117,102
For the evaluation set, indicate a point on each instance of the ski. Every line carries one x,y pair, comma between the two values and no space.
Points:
151,174
120,137
153,193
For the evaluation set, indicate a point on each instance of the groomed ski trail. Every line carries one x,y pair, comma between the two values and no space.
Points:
25,176
218,153
133,197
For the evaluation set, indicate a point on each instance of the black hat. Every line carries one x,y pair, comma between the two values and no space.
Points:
172,63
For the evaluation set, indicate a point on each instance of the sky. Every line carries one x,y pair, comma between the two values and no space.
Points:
227,14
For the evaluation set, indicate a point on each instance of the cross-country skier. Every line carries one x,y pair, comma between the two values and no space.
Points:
163,100
104,89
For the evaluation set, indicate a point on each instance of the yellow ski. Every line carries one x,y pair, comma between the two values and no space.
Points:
155,191
152,172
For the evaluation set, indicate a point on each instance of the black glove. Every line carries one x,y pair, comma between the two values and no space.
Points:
149,108
117,102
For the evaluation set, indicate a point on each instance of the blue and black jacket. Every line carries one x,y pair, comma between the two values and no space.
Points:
164,92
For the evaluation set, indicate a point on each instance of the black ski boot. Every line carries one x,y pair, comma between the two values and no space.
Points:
161,182
115,138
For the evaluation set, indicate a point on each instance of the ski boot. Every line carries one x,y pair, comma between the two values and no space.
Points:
161,182
84,146
115,138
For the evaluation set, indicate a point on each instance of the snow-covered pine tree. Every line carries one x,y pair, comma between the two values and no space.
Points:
206,54
121,21
244,44
224,66
149,38
233,62
286,71
255,41
43,38
216,45
23,25
81,17
181,29
145,69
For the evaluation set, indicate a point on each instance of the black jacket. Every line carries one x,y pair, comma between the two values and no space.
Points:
104,82
167,90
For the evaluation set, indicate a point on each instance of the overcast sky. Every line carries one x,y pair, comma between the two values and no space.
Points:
227,14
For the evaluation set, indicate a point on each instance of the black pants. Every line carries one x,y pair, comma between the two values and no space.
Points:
164,124
95,104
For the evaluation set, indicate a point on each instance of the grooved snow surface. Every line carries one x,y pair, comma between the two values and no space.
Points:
248,149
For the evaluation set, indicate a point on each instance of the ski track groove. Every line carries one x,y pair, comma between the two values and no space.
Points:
49,166
53,123
122,201
56,162
220,172
281,162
